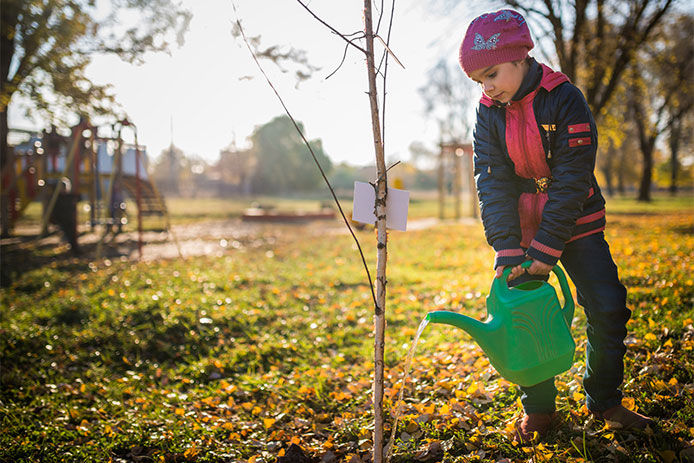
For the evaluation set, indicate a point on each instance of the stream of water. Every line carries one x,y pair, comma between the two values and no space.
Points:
398,404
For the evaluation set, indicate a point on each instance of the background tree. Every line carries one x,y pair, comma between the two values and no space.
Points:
46,45
661,89
681,134
681,112
612,152
447,95
599,37
281,158
596,42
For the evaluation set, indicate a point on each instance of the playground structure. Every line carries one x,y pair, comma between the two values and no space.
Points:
59,171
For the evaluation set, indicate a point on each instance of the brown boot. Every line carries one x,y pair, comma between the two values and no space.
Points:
531,423
623,418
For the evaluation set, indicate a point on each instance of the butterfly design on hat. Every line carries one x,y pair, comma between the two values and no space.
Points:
506,15
489,44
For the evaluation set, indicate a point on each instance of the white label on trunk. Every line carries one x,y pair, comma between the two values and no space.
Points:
396,206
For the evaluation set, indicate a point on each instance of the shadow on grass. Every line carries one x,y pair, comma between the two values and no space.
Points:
24,253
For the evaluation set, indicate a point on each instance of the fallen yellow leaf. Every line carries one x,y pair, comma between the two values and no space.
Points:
629,403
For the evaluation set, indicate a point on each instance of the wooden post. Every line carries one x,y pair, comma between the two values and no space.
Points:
138,189
474,203
94,172
441,180
382,254
457,180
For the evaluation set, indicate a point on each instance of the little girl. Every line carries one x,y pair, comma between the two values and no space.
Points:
535,142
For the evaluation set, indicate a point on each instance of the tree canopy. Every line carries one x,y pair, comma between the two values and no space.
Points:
598,37
283,161
46,45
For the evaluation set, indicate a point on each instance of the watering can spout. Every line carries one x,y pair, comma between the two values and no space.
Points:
480,331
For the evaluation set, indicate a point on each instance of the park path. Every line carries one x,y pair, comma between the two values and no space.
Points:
216,238
204,238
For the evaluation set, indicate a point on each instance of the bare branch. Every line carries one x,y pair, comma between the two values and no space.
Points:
380,16
389,50
335,31
344,56
385,73
638,37
382,176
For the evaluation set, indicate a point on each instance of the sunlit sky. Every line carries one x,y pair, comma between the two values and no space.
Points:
203,92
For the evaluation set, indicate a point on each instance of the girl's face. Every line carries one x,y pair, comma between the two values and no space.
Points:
501,81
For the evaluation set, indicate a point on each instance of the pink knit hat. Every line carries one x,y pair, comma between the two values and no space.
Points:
495,38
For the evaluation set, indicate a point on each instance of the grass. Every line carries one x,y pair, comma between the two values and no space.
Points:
236,358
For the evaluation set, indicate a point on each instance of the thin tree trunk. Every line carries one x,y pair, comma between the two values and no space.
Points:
675,133
646,172
621,186
382,256
607,167
646,144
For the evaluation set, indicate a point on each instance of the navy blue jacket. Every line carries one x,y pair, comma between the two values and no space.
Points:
550,115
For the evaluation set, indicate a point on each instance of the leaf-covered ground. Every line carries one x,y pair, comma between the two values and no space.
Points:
265,354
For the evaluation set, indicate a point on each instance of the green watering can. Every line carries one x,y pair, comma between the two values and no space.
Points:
526,334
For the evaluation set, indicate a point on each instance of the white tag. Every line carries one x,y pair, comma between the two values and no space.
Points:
396,206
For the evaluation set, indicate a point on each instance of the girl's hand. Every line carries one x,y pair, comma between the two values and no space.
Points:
515,272
536,268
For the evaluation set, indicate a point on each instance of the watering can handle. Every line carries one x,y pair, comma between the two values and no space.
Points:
569,306
568,309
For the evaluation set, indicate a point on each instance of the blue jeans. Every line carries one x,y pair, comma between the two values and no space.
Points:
589,264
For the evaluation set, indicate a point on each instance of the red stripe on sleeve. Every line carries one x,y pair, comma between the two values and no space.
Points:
510,252
597,230
591,217
545,249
